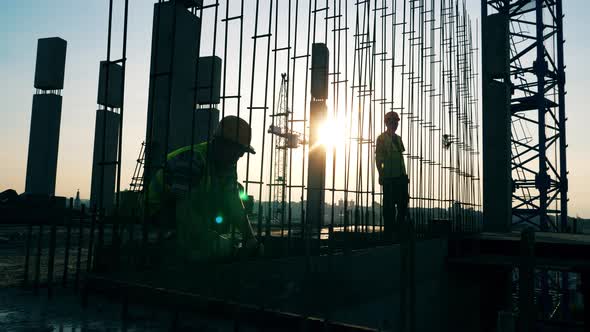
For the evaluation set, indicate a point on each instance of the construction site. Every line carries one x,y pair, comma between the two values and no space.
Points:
332,165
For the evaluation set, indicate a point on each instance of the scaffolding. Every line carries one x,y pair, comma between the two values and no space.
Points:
284,140
538,127
538,112
136,184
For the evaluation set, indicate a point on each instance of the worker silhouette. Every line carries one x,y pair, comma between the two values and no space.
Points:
392,175
202,190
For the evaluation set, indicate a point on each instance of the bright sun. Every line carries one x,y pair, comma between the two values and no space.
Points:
332,133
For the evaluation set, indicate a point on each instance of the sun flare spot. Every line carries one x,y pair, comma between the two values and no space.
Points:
332,133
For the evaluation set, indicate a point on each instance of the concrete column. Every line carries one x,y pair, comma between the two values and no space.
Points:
107,170
497,178
43,145
175,47
46,117
316,171
106,136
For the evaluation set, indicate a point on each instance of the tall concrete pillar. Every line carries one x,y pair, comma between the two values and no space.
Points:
109,138
208,93
46,117
175,47
495,286
106,136
316,171
497,178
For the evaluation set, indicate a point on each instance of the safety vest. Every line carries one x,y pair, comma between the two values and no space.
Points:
204,213
389,156
158,191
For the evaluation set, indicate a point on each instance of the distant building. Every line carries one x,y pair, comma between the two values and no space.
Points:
77,203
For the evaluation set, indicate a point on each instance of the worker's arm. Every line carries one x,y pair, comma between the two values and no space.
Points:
245,226
241,217
379,156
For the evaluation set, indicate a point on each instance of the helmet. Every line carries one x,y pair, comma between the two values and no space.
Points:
235,130
389,116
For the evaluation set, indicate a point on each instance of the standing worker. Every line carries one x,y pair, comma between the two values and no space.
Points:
202,196
392,175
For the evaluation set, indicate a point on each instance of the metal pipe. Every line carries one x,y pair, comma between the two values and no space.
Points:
542,180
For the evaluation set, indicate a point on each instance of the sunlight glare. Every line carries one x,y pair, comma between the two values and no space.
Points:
332,133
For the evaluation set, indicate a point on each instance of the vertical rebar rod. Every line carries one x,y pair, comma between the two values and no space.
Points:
265,109
102,162
91,240
69,220
563,180
164,210
150,133
54,214
38,260
80,244
542,180
28,244
120,131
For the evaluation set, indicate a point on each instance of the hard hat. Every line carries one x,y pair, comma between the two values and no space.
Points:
235,130
391,116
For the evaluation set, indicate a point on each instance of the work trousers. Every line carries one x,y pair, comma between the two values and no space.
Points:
395,205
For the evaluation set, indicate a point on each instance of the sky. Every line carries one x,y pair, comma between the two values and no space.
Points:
84,25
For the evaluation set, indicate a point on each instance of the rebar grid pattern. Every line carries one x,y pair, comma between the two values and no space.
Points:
415,57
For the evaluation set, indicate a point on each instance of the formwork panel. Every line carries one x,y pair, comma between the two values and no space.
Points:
209,80
51,62
110,141
172,94
43,144
114,96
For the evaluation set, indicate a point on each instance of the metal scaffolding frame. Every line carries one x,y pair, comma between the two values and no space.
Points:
537,106
539,165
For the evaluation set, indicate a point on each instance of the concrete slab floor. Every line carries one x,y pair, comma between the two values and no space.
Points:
22,311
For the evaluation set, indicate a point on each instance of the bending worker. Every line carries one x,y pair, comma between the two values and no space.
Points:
392,175
201,197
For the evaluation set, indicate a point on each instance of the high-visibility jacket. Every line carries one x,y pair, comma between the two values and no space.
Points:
389,156
207,210
177,175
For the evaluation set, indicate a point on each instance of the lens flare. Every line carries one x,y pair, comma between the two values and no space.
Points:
243,195
332,133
